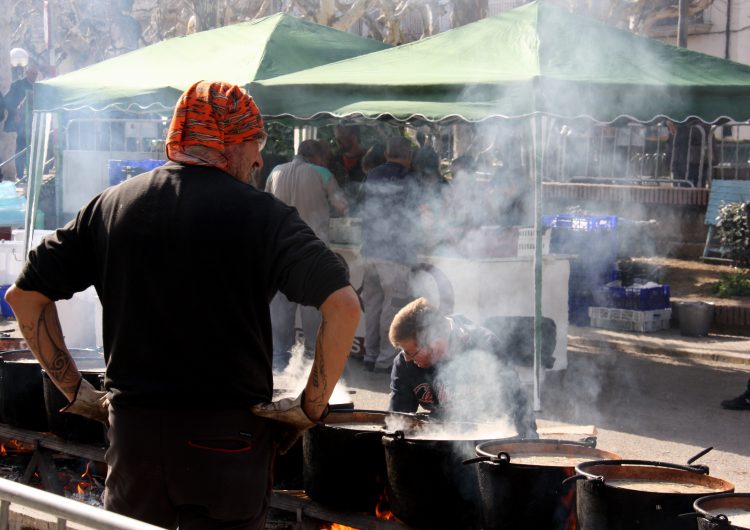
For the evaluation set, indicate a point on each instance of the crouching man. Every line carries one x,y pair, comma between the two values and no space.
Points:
456,369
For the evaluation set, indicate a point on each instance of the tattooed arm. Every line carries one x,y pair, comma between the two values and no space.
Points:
340,313
40,326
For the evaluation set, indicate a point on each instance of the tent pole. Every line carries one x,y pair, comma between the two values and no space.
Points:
536,175
40,127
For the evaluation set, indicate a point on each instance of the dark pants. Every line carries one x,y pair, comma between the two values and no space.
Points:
21,143
283,316
195,470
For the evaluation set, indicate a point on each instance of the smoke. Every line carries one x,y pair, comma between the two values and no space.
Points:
477,387
291,382
396,422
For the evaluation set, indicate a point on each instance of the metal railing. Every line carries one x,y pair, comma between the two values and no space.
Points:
732,146
62,508
11,159
661,153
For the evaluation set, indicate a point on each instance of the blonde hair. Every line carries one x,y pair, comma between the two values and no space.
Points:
414,321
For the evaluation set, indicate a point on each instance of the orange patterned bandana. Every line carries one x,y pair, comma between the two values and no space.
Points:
208,117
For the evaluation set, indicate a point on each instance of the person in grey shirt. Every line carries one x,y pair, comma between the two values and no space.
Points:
311,188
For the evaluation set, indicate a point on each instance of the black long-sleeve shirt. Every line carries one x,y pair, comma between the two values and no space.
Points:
185,260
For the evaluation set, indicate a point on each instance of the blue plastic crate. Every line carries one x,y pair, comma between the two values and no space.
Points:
119,170
584,223
599,247
638,298
5,309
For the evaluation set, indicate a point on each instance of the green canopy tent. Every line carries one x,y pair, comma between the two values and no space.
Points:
152,78
537,61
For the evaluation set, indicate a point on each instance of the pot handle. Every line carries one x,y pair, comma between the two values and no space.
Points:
576,478
572,478
589,441
699,467
502,459
476,460
369,434
396,435
721,521
695,469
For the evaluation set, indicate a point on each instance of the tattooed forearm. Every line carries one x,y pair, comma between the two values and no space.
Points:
28,330
318,376
54,357
44,336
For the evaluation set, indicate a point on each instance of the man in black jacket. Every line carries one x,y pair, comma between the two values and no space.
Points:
456,369
391,242
18,102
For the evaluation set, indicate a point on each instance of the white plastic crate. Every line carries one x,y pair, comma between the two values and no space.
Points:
527,242
630,319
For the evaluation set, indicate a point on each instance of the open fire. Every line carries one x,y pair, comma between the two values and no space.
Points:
381,511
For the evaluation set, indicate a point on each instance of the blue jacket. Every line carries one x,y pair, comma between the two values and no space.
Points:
475,383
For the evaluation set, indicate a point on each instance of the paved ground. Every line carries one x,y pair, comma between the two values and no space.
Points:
651,396
729,349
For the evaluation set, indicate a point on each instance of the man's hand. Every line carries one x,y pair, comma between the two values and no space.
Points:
287,412
90,403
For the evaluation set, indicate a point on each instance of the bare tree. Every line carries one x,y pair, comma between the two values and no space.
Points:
7,143
206,14
466,11
639,16
88,31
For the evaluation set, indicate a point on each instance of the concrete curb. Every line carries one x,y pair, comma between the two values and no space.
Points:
595,343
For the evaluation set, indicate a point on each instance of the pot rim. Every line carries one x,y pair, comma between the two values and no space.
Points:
575,448
723,500
697,472
365,416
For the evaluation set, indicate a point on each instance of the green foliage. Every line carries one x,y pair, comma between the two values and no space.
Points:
280,139
733,284
733,229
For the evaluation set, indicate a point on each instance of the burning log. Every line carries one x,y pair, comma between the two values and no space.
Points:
296,501
52,442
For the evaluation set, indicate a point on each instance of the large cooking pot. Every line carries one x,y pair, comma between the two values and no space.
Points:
72,426
288,468
639,494
21,394
521,481
428,485
725,511
12,343
22,387
344,462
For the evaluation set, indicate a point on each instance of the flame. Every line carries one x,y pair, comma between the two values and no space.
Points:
86,471
3,450
568,501
382,510
84,485
384,514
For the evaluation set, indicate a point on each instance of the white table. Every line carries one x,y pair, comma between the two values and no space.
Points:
488,287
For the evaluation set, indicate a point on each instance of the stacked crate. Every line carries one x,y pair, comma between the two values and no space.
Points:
593,245
642,308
